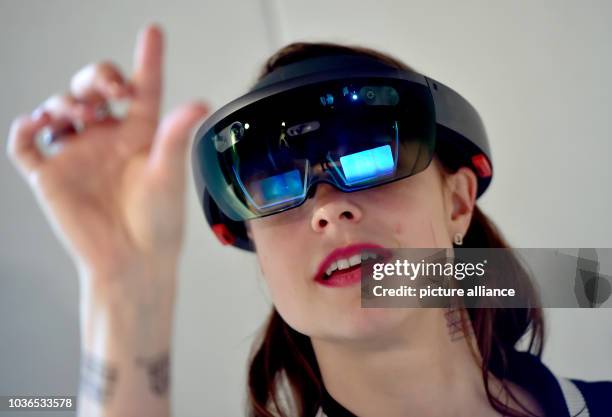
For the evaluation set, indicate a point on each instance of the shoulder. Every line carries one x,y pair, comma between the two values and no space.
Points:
597,395
558,395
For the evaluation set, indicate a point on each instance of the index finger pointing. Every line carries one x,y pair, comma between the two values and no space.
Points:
147,76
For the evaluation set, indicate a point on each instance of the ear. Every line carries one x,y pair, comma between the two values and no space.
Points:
460,198
247,226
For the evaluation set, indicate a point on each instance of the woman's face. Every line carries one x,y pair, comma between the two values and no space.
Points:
413,212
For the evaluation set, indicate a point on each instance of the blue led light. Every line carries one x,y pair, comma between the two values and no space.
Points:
368,164
281,188
355,96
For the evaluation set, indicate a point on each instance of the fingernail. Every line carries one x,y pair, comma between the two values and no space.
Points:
38,114
50,136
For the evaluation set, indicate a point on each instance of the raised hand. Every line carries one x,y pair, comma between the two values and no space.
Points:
114,191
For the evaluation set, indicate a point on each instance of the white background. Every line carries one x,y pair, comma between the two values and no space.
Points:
538,73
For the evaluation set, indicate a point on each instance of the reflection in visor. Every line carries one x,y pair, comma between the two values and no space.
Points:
275,190
368,164
281,188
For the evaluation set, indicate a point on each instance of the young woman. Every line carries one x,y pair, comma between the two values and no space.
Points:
114,191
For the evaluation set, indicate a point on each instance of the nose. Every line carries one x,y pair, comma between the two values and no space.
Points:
333,208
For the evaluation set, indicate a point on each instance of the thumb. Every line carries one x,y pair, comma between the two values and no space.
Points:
169,151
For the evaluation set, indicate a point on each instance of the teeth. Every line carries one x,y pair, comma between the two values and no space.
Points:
331,268
340,264
368,255
344,264
354,260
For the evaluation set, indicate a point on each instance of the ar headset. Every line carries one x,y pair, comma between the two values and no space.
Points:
349,120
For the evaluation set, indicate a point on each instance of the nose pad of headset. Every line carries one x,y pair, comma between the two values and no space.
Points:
319,173
312,188
311,191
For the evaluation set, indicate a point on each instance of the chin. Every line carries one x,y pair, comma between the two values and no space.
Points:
365,325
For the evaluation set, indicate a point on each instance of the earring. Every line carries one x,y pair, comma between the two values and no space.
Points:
458,239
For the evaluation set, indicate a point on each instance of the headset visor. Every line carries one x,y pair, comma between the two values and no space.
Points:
353,133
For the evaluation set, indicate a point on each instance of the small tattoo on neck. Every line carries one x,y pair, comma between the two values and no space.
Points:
98,378
457,324
158,372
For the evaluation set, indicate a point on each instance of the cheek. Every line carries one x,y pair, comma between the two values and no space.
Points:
272,238
280,254
416,223
277,257
281,276
290,295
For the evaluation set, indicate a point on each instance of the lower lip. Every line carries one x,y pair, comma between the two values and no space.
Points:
344,278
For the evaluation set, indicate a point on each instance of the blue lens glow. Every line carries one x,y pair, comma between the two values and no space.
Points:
276,190
355,96
368,164
281,188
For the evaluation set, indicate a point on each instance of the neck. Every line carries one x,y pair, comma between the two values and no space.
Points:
407,374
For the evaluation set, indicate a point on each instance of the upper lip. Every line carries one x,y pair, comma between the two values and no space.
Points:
346,252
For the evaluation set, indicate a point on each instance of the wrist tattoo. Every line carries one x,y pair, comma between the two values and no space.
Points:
458,326
158,372
98,378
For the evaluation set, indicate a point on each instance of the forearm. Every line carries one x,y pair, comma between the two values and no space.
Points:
125,357
124,385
